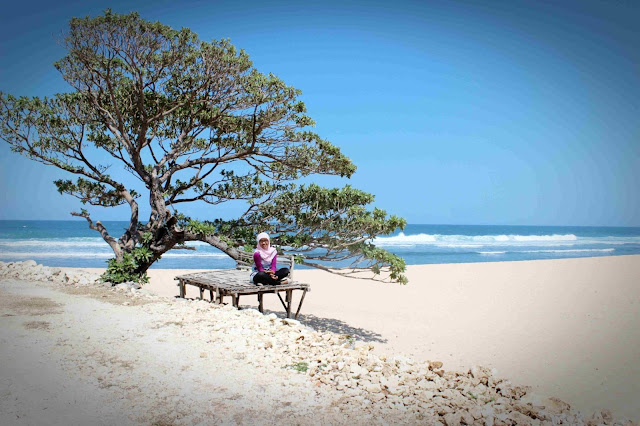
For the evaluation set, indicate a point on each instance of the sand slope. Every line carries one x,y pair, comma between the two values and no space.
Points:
569,328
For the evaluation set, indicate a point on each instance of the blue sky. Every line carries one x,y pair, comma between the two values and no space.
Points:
514,112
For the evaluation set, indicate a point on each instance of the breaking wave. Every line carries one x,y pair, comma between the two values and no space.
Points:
470,241
99,255
53,243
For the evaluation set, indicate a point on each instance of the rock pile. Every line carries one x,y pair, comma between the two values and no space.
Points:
29,270
361,384
394,389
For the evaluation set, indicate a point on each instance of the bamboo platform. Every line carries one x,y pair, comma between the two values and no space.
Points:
235,283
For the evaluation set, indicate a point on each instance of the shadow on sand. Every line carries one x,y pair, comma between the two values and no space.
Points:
332,325
325,324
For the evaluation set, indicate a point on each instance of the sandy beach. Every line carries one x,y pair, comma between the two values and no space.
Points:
566,328
569,327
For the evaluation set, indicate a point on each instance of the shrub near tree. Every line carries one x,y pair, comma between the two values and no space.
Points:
193,122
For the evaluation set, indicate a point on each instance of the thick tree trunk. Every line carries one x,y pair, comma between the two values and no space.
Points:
166,234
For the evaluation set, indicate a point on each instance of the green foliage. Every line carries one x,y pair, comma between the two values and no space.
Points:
200,228
128,270
298,366
332,224
236,233
192,121
379,257
92,192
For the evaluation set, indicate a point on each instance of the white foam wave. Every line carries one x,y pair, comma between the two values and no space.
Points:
497,252
31,255
51,244
555,237
469,241
92,245
196,254
95,255
609,250
67,242
454,245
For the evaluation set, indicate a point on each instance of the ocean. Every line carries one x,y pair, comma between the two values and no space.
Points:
72,244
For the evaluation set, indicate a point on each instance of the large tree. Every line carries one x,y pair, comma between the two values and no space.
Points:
192,121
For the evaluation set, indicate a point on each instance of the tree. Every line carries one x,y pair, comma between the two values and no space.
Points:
192,121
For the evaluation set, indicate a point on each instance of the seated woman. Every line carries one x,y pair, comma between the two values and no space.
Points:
265,259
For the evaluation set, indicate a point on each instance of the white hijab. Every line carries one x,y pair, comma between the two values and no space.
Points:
268,254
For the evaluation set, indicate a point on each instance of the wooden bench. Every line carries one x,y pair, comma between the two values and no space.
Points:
235,283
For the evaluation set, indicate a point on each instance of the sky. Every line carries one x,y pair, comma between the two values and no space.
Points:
455,112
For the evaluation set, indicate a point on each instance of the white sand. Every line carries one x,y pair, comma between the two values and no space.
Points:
94,356
569,328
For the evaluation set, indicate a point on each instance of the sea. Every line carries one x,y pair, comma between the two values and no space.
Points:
72,244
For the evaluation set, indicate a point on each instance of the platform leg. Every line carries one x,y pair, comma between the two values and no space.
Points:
289,298
281,301
304,293
260,304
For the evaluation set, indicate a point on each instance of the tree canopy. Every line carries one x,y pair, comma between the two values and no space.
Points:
192,121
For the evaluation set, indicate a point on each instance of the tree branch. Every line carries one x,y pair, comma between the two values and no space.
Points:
103,232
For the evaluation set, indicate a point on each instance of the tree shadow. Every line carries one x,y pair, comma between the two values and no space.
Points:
334,326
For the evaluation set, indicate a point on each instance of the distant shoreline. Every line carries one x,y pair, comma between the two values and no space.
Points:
73,244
